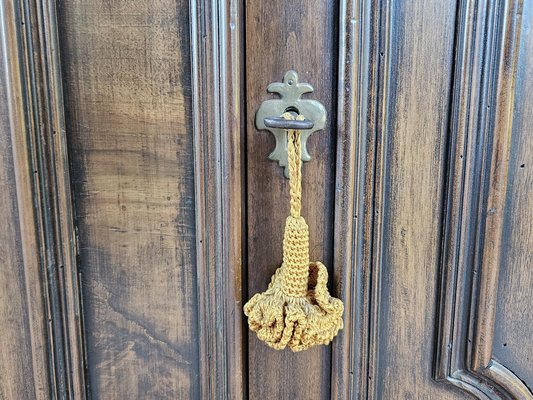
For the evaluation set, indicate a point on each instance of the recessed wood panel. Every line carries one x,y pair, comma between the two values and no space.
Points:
128,105
413,139
477,177
417,197
513,346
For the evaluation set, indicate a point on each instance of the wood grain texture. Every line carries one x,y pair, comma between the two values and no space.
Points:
481,123
410,146
23,360
284,35
417,197
362,66
508,17
217,82
513,346
128,105
41,248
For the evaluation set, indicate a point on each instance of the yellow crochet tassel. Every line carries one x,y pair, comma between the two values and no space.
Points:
296,310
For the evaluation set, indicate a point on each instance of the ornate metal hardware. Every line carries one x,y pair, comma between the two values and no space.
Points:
268,117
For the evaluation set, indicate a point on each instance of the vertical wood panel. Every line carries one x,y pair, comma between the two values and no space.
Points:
391,153
363,61
411,140
41,278
475,198
158,175
217,81
284,35
513,346
127,78
16,364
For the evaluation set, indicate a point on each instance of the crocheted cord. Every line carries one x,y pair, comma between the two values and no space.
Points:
296,237
296,310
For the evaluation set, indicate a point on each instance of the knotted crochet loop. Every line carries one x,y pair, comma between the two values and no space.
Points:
296,310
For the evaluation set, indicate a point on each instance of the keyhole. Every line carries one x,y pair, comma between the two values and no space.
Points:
293,110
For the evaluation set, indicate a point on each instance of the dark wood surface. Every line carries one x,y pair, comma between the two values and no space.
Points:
417,197
513,346
280,36
19,380
129,126
475,201
217,81
388,195
412,135
43,355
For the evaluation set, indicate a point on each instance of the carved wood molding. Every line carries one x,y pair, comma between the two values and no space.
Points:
217,81
487,43
487,46
28,30
362,86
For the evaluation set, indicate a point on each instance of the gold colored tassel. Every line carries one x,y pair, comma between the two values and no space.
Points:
296,310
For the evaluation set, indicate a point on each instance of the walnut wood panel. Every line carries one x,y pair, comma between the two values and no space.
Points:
127,79
284,35
416,49
475,200
41,347
513,346
417,197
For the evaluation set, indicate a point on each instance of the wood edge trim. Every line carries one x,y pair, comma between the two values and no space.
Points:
66,230
482,387
497,180
467,383
484,377
344,347
511,384
470,383
9,20
362,116
44,197
463,100
216,67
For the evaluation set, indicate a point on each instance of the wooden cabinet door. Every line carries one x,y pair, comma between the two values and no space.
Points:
139,209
